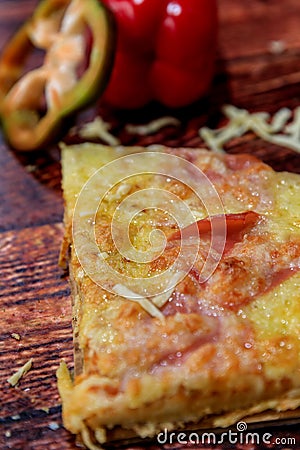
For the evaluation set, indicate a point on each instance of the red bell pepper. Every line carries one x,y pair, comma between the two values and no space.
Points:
165,51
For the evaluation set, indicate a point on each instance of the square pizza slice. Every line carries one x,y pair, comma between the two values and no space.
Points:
184,268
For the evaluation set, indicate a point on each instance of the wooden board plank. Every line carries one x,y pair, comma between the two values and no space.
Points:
35,306
29,190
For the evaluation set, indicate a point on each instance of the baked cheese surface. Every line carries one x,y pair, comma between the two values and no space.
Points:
220,340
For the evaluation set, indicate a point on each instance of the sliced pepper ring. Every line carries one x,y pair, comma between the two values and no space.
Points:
35,104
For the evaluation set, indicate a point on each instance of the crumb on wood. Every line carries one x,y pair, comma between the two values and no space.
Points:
16,336
15,378
16,417
277,47
53,426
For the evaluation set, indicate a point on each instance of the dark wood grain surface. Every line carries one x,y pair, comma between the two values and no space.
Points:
34,294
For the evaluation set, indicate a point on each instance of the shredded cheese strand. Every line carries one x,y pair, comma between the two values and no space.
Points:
86,438
153,126
145,303
260,123
98,128
15,378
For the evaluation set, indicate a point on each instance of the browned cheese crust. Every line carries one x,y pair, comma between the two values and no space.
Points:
224,348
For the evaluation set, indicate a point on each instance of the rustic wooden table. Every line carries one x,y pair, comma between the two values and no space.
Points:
258,68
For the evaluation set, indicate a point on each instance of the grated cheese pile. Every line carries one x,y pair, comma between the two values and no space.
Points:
279,129
261,123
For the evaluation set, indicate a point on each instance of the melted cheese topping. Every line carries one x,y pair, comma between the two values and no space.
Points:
229,344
